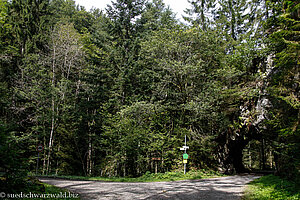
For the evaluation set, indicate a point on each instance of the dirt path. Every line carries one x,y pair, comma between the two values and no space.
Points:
227,188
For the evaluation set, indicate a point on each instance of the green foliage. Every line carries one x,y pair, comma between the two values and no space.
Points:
284,87
152,177
50,189
3,18
156,16
13,165
203,9
136,134
272,187
176,175
113,94
37,189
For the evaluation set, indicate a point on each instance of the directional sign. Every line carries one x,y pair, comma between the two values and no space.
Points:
156,159
185,156
40,148
184,148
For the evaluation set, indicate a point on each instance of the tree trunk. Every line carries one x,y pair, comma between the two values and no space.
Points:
44,160
233,20
89,157
250,158
124,169
202,15
263,157
53,112
57,161
51,138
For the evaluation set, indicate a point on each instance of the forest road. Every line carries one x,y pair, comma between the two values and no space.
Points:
227,188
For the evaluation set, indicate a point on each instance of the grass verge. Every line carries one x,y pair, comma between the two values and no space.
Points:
59,193
150,177
272,187
38,190
52,193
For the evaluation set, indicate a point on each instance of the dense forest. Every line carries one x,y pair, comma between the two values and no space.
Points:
114,92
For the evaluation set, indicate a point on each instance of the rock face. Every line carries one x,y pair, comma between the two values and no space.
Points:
263,103
252,116
257,114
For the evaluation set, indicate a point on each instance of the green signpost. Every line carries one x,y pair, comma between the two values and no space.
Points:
185,156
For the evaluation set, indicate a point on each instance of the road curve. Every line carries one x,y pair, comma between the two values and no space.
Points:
227,188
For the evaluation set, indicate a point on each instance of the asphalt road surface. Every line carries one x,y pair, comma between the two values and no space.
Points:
228,188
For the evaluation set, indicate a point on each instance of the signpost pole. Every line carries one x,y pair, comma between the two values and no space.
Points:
185,152
185,155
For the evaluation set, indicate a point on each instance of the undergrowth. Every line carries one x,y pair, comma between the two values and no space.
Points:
152,177
272,187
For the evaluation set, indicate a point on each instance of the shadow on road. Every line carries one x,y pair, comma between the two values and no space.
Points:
229,188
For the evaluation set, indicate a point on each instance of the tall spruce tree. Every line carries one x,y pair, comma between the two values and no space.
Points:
124,29
201,13
24,33
283,26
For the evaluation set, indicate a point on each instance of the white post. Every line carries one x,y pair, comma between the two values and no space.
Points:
184,148
185,152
